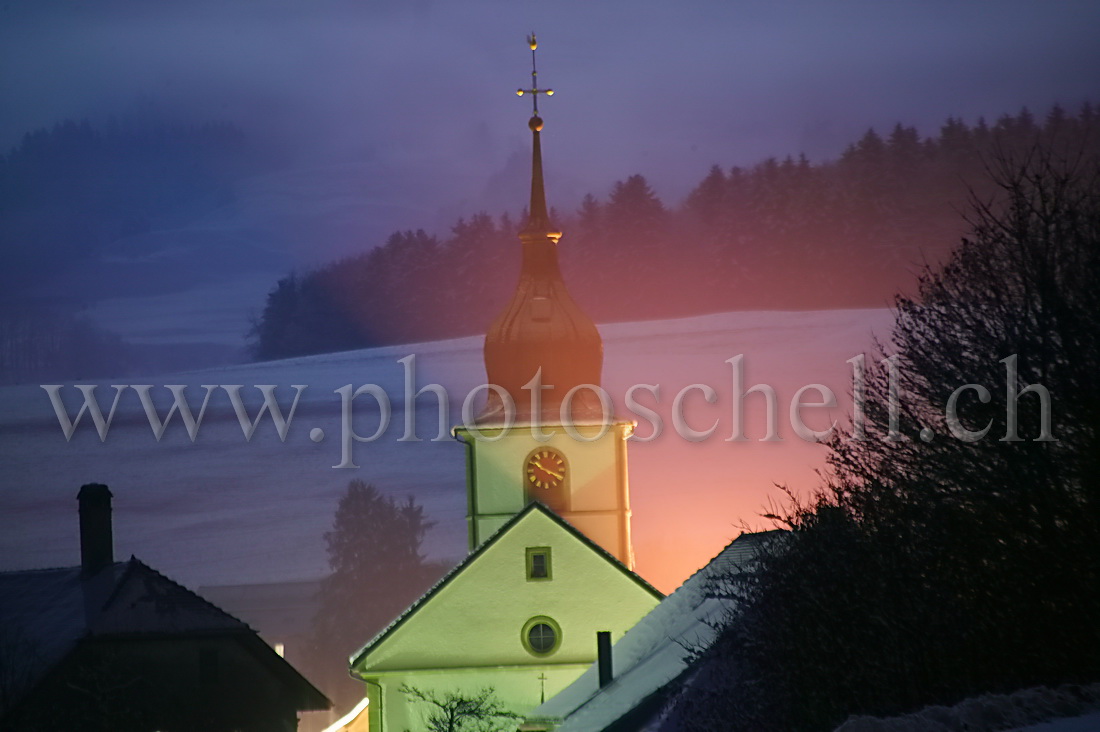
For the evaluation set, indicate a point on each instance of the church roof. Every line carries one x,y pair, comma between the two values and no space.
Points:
448,578
657,649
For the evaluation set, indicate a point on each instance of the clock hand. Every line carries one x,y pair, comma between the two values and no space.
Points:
546,470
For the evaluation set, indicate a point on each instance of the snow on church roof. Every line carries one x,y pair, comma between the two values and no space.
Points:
656,650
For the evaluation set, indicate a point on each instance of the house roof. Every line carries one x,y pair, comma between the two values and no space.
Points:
532,507
276,610
657,649
46,612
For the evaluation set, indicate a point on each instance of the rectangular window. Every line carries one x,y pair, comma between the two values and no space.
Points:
538,563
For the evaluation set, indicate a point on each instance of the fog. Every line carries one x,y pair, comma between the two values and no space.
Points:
426,89
363,118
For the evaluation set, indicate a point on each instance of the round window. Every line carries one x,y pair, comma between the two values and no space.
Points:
541,636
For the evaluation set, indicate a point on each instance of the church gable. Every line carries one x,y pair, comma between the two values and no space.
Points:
536,593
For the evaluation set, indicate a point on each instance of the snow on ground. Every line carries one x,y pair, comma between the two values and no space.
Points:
1068,708
1087,723
225,510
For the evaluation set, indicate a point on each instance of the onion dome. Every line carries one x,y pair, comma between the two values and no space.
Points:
542,327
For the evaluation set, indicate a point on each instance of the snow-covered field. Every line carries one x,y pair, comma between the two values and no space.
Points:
227,510
1067,708
1087,723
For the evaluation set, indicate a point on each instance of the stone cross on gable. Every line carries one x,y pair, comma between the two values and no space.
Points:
542,676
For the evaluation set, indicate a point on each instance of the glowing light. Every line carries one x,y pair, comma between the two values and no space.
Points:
348,718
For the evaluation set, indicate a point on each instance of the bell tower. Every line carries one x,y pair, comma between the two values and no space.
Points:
544,434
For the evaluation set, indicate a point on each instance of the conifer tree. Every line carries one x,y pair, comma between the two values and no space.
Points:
378,569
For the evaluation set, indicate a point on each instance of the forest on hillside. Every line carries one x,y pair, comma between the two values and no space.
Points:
783,234
69,191
68,195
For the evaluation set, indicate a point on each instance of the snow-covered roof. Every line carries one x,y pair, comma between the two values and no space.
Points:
656,650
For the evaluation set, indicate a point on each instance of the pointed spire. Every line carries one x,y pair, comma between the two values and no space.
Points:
541,330
538,218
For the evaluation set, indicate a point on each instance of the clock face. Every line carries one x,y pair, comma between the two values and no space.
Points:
545,471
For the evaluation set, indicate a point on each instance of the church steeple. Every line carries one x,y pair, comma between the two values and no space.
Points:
542,327
538,219
573,464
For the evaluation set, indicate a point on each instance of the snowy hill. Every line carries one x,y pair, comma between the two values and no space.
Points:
228,510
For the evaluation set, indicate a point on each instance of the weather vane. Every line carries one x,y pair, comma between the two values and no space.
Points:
534,91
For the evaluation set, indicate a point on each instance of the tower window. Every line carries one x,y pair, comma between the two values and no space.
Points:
541,636
538,563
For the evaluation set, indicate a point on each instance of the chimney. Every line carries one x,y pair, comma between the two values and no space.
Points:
96,537
603,656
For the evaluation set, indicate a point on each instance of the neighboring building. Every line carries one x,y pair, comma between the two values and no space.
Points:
281,612
548,514
647,665
118,646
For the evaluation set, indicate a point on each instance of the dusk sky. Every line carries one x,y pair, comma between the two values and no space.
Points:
311,217
376,116
423,91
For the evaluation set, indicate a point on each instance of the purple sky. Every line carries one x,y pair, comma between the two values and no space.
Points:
665,89
387,114
390,114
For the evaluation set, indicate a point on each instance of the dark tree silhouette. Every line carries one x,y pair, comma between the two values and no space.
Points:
377,571
458,712
947,555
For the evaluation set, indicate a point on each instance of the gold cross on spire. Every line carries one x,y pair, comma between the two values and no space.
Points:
534,91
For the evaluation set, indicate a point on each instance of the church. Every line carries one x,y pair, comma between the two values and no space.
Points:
550,561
